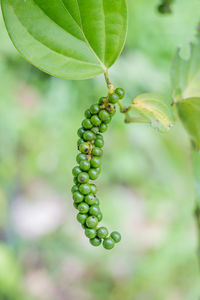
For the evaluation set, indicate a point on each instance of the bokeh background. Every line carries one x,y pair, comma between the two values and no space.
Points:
146,187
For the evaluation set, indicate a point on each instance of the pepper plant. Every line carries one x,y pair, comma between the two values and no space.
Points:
81,39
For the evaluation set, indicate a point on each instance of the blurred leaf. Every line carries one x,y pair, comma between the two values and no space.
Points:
189,112
69,39
185,74
154,110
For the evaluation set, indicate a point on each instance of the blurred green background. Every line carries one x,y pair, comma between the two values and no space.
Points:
146,186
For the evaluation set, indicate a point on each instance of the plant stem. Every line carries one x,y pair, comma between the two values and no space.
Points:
196,167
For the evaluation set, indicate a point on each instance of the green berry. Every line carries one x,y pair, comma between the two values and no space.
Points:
90,199
95,130
95,162
93,174
100,217
103,128
97,202
120,92
84,148
108,120
83,208
116,236
113,98
108,243
102,100
78,197
95,242
99,143
87,124
74,189
76,171
91,222
94,109
103,115
83,177
76,205
94,210
88,114
97,151
80,141
98,170
88,135
93,188
95,120
84,165
111,108
80,132
81,157
102,232
81,218
99,136
84,189
90,233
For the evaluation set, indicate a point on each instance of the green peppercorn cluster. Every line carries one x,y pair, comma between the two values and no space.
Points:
165,6
90,146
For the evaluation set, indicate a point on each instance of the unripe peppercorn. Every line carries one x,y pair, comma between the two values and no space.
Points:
103,115
88,135
80,157
102,100
87,124
95,162
75,180
108,243
103,128
74,189
90,233
111,108
99,143
80,132
94,109
120,92
113,98
80,141
76,171
84,165
84,189
83,208
95,120
100,217
97,151
90,199
99,136
95,242
116,236
93,174
78,197
81,218
91,222
88,114
93,188
94,210
76,205
84,148
108,120
96,202
83,177
102,232
95,130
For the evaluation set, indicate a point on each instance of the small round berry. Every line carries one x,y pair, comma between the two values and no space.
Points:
97,202
113,98
108,243
120,92
103,128
90,199
81,157
87,124
93,174
91,222
84,189
80,132
88,114
95,162
99,136
102,100
76,171
108,121
94,210
95,120
100,217
95,242
90,233
83,208
102,232
116,236
84,147
111,108
76,180
80,141
97,151
83,177
98,170
88,135
84,165
81,218
103,115
78,197
94,109
74,189
76,205
95,130
99,143
93,188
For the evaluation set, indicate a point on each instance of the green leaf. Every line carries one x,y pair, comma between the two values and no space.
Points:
153,109
71,39
189,112
185,74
